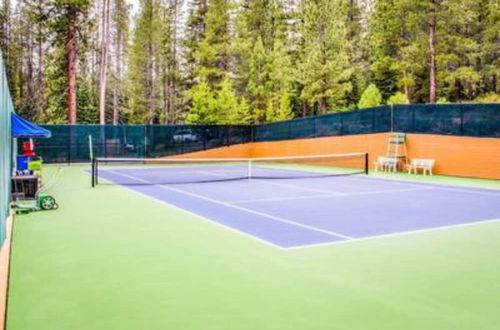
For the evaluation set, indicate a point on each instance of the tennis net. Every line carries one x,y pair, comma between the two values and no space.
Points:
154,171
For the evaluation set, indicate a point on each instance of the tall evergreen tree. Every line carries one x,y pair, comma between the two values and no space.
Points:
194,34
324,66
141,107
271,59
120,20
261,33
213,55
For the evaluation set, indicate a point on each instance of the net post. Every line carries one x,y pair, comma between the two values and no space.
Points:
93,173
249,169
91,147
392,118
96,175
367,164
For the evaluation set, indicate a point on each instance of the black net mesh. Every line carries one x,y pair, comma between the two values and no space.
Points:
153,171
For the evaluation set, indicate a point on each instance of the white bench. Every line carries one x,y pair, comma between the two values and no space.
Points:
426,165
386,164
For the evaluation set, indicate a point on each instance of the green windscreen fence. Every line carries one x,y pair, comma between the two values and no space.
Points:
481,120
71,143
6,109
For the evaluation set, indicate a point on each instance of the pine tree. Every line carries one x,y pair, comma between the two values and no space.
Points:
168,53
120,19
141,107
388,33
261,25
357,48
213,53
398,98
324,68
194,34
256,81
38,12
280,84
202,110
229,110
489,41
103,68
70,16
266,60
371,97
214,49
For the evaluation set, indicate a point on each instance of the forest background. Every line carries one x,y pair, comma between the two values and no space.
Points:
243,61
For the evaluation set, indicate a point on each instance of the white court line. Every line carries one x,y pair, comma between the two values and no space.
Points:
329,192
417,186
218,224
240,208
402,233
336,193
324,193
277,199
469,191
428,184
347,241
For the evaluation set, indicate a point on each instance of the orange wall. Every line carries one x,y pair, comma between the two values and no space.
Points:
234,151
374,144
4,269
457,155
454,155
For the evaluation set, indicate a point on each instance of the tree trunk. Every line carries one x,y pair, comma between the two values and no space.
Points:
117,93
324,106
31,89
165,98
71,59
41,104
151,92
406,87
432,46
104,62
304,108
458,91
173,80
6,42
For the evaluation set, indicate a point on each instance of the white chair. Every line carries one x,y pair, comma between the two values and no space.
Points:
389,164
426,165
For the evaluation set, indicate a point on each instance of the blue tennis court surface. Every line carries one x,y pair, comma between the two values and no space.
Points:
301,212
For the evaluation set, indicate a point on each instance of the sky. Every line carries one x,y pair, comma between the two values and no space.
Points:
135,6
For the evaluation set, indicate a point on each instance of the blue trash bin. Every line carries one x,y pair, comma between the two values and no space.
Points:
22,162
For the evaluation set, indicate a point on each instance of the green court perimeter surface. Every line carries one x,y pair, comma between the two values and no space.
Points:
112,259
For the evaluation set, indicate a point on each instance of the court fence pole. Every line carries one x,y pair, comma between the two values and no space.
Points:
91,147
249,169
96,169
93,172
367,164
392,118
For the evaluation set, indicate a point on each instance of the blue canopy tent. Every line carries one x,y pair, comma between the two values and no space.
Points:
22,128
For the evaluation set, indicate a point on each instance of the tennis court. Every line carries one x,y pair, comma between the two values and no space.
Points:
129,254
289,203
